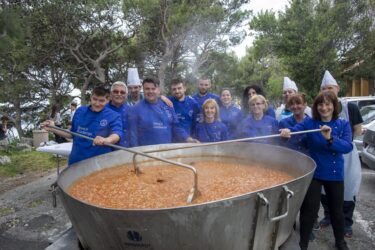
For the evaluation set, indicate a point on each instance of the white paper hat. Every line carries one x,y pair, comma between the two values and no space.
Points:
289,84
133,77
328,80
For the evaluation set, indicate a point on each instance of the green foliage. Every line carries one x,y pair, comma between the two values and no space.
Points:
22,162
312,36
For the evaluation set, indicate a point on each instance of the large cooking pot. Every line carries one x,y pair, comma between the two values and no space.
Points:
258,220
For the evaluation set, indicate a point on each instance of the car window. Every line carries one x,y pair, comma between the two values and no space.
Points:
363,103
368,114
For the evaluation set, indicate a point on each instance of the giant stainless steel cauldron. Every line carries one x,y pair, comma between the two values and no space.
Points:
257,220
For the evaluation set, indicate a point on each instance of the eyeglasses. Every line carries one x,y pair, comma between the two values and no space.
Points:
257,104
116,92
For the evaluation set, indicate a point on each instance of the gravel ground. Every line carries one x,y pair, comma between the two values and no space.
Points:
28,220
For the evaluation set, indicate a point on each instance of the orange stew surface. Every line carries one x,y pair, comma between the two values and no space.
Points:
164,185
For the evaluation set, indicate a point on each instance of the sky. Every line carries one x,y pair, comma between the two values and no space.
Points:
256,6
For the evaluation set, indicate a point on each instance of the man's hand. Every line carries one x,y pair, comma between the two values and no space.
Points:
46,125
190,139
166,101
98,140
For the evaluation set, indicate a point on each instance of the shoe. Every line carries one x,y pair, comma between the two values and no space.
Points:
312,237
348,232
316,226
325,222
302,246
342,246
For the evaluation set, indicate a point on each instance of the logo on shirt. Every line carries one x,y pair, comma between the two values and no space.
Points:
103,123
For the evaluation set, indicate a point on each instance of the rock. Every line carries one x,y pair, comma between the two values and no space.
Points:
4,159
26,140
23,147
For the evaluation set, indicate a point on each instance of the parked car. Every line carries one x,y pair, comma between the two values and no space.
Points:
368,153
368,116
361,101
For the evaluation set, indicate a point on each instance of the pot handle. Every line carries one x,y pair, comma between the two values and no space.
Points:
265,202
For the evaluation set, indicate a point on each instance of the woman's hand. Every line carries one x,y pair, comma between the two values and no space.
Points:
285,132
326,131
190,139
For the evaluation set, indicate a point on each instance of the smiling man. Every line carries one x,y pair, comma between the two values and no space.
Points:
118,96
96,121
154,122
186,107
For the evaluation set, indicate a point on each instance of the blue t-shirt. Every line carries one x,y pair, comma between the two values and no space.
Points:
231,116
187,112
123,110
92,124
201,99
154,123
211,132
296,142
328,158
253,128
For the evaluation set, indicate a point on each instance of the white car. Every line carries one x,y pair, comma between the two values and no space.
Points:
368,154
368,116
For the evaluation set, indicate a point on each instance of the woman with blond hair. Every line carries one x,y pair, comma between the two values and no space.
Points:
211,129
257,123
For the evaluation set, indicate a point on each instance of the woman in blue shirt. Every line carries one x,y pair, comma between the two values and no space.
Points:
230,115
211,129
327,149
257,123
248,93
297,104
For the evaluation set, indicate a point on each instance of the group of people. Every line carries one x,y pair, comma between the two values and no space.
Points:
132,119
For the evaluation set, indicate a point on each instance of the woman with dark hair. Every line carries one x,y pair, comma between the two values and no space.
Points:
327,149
248,93
230,114
56,118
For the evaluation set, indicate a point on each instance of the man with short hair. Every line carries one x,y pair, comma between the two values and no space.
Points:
186,108
96,121
117,103
352,165
3,130
154,122
204,85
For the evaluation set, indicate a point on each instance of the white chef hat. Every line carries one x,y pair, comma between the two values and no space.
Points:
133,77
328,80
289,84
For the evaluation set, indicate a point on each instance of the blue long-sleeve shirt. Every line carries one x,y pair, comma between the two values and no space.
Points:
250,127
123,110
154,123
231,116
92,124
201,99
211,132
296,142
328,158
187,112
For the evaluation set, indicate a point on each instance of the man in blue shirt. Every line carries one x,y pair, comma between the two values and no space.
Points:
204,85
118,104
186,107
96,121
154,122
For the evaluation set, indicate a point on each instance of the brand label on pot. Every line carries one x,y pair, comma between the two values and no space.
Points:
136,239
